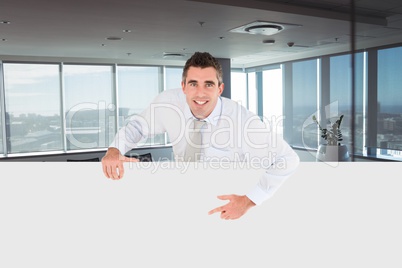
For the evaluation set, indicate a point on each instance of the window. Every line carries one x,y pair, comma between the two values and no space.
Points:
341,97
1,114
89,107
1,132
238,89
2,110
173,77
138,86
252,92
304,85
32,100
389,108
272,103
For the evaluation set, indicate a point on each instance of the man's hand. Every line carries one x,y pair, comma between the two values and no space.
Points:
112,163
238,205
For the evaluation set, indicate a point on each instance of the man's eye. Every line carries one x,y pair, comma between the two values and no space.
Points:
210,85
192,84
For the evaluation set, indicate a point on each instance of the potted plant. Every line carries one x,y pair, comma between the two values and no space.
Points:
333,150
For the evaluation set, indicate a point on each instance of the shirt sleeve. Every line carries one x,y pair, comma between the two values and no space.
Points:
127,138
274,176
278,160
139,127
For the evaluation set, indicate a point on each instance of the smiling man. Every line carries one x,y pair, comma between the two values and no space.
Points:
203,126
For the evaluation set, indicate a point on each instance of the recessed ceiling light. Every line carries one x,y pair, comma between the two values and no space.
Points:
114,38
3,39
5,22
127,31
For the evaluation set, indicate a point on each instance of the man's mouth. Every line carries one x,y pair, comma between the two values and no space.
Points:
200,102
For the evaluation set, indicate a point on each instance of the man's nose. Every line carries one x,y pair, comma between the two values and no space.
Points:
200,90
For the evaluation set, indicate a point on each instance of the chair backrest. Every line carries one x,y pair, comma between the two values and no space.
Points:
142,157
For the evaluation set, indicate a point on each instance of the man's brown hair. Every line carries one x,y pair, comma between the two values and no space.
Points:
203,60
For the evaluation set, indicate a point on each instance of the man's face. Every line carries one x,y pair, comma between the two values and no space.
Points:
202,90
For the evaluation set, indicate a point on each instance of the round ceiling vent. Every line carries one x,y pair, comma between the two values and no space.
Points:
264,27
267,29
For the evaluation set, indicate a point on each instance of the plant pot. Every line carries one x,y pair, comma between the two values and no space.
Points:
328,153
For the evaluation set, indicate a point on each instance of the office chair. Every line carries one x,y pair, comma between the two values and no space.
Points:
142,157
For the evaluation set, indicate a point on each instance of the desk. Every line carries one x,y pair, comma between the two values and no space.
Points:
60,214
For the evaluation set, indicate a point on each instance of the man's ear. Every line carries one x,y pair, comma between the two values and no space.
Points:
183,86
221,87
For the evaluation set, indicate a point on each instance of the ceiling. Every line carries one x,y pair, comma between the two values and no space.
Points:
49,30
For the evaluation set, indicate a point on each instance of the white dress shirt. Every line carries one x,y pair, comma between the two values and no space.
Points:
233,134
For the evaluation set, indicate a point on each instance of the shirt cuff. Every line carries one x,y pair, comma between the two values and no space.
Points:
257,195
119,145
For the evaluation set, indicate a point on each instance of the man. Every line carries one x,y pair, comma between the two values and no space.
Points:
203,126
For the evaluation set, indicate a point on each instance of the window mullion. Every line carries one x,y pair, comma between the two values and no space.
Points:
260,95
115,97
372,102
62,107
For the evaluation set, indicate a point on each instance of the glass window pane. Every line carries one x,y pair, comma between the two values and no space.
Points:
173,77
360,104
32,96
389,119
89,106
1,135
252,92
1,125
138,86
272,94
341,97
238,89
304,103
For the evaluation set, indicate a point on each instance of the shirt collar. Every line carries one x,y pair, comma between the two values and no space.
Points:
212,118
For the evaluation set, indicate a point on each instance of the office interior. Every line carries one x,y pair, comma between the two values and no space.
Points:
73,72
